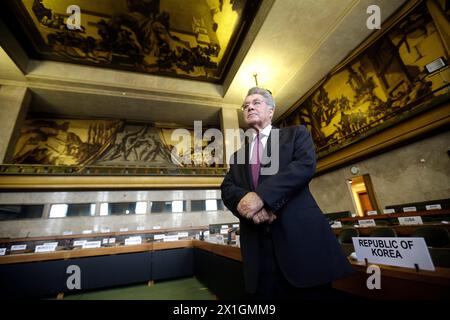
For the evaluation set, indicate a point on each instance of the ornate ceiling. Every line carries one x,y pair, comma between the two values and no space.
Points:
193,39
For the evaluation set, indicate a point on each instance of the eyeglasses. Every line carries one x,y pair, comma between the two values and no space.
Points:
256,103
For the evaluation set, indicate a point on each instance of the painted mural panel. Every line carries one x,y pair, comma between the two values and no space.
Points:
182,38
108,143
379,84
90,142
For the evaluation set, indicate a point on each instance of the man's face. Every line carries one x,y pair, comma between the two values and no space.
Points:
257,113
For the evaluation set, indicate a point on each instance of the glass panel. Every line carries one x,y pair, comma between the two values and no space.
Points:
14,212
220,205
141,207
211,205
81,210
198,205
177,206
58,210
168,206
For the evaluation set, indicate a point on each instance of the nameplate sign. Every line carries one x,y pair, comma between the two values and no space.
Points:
367,223
2,251
133,241
92,244
224,226
433,207
372,213
158,237
79,243
51,244
67,233
410,220
112,240
140,228
183,234
87,232
219,239
394,251
236,225
171,238
45,248
388,211
223,231
105,241
336,224
104,230
156,227
123,229
409,209
18,247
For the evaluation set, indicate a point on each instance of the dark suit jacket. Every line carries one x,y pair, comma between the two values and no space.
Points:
306,249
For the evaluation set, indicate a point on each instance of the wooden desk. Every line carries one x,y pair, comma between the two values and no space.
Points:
396,283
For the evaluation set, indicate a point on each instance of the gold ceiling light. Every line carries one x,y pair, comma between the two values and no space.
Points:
255,75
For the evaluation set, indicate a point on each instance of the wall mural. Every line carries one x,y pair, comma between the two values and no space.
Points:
188,38
99,142
385,79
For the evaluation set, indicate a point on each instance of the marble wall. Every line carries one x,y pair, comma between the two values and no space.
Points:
413,173
13,106
56,226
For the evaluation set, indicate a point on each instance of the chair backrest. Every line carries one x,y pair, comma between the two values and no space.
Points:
436,237
383,232
346,235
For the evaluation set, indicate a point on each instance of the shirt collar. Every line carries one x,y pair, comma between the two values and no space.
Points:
266,131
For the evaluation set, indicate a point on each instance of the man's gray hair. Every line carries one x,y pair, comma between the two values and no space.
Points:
265,93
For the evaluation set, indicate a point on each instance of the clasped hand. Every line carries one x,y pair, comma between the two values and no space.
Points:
251,207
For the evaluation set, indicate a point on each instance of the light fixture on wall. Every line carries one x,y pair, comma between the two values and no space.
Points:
436,65
255,75
354,170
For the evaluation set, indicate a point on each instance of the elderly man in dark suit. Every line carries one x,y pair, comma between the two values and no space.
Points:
288,248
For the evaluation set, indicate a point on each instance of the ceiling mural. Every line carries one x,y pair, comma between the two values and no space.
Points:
192,39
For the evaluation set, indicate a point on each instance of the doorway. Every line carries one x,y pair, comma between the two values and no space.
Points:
363,195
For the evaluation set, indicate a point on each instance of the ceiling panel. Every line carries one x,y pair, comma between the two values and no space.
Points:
192,39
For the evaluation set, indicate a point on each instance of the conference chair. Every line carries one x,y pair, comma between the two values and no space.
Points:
346,235
383,232
436,237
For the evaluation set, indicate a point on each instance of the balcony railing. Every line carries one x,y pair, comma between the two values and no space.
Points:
55,170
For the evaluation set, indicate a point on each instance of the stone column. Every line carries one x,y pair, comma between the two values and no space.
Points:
230,129
14,101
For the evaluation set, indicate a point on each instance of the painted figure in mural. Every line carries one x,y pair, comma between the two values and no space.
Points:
140,145
47,143
288,248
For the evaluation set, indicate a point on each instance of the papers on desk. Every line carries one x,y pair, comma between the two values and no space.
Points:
92,244
367,223
336,224
18,247
133,241
410,220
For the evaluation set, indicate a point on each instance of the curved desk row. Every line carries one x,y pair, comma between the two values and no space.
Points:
219,267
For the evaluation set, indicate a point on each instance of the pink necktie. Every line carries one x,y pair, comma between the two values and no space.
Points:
256,160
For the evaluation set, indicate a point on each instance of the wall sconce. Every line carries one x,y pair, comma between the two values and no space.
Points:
354,170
